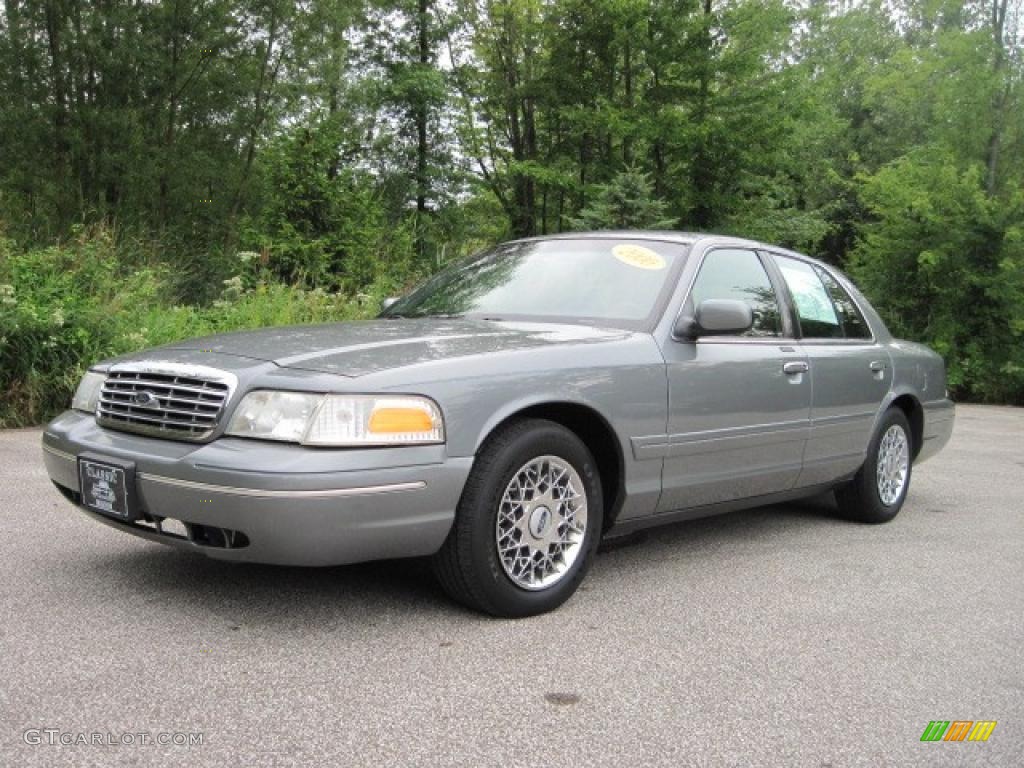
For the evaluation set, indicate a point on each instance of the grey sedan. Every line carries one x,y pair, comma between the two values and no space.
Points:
510,412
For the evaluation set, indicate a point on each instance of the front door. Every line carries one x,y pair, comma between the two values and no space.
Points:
738,405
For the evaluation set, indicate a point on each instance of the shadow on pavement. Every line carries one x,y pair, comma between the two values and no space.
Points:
250,594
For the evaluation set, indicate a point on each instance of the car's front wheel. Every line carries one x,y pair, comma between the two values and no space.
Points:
877,492
527,525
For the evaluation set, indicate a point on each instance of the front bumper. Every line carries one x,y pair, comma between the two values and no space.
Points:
292,505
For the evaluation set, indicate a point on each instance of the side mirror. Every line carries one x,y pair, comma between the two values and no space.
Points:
716,317
385,303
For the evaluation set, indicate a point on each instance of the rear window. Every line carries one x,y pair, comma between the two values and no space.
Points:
854,325
814,307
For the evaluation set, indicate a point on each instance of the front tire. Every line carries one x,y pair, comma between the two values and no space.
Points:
877,492
528,523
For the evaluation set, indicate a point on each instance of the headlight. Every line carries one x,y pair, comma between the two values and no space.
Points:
338,420
271,415
88,393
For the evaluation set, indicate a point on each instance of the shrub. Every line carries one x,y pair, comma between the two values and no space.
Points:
68,306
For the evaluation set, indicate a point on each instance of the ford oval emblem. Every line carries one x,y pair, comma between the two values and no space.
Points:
146,399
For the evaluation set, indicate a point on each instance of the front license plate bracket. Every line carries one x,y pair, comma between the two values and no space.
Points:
107,486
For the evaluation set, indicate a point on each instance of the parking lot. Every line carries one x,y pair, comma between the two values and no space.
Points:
778,636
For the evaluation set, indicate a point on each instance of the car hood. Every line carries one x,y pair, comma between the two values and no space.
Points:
359,348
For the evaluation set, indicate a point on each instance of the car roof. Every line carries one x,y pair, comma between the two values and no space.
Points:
686,238
673,236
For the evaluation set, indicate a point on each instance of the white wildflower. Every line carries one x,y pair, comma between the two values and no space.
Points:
232,288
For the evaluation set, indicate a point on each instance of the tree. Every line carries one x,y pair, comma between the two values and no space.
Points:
944,262
408,93
320,225
627,202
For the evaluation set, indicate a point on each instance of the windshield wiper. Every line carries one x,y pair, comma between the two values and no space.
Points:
439,315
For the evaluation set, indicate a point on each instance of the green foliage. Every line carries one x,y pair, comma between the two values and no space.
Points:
626,202
321,225
65,307
945,262
309,153
775,213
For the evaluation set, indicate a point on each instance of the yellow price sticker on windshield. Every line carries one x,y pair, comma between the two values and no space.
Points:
638,256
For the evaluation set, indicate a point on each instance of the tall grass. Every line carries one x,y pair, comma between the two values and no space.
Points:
65,307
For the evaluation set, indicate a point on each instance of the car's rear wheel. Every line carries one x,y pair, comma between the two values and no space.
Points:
877,492
528,523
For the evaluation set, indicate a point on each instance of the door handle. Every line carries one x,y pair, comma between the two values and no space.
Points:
795,366
877,365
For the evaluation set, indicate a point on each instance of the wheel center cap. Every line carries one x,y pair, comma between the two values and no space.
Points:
540,518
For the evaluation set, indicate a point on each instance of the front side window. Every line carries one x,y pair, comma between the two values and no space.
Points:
734,273
818,318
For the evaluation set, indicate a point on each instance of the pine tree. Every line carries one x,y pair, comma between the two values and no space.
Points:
627,202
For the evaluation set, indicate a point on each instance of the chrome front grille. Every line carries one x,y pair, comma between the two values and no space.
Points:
165,400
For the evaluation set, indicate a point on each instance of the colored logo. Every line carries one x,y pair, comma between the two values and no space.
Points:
958,730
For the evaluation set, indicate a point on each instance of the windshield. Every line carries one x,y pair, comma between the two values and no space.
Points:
596,279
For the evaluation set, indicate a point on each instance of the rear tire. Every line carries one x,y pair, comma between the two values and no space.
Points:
527,525
877,492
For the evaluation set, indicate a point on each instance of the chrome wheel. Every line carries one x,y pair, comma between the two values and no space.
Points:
541,522
893,464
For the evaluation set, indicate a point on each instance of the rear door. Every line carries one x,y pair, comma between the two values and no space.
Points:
738,405
851,372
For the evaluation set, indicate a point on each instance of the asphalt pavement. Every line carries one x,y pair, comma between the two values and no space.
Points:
781,636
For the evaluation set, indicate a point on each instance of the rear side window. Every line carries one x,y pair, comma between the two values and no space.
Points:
818,316
853,321
734,273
